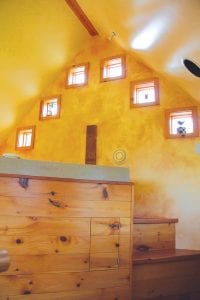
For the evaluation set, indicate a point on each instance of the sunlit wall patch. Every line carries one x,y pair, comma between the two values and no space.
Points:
192,67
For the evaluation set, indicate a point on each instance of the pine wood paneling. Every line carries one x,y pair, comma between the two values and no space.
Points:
14,225
154,236
63,282
53,206
104,260
178,280
28,264
105,243
70,190
41,244
64,239
120,293
105,226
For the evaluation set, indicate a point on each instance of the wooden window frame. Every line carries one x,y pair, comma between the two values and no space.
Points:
19,129
102,65
86,65
42,102
133,84
195,132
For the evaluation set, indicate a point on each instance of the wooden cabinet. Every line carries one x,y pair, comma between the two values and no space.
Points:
67,239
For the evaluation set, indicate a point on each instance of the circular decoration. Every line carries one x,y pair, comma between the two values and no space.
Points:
119,156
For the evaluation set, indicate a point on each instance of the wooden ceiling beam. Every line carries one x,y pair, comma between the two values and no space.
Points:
75,7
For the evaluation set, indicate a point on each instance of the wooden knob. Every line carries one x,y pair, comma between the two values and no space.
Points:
4,260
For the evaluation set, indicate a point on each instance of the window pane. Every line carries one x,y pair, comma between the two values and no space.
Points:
44,110
27,140
50,107
77,75
79,78
20,140
113,71
113,68
24,138
181,123
144,95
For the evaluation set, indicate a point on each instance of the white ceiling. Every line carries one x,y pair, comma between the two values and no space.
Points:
161,32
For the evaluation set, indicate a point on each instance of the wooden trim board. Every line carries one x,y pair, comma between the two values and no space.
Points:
75,7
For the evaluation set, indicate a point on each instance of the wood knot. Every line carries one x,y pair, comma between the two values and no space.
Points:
27,292
23,182
78,285
18,241
55,203
52,193
117,245
63,238
33,218
105,193
142,248
115,226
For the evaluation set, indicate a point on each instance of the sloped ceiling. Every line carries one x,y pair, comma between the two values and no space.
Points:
39,37
161,32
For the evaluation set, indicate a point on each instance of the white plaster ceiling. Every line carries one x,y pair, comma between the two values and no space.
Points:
161,32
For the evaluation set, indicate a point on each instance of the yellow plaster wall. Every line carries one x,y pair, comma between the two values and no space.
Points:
37,39
166,172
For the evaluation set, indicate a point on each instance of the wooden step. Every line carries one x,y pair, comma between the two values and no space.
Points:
165,256
153,234
153,220
167,275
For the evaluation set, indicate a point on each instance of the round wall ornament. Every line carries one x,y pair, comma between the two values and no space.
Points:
119,156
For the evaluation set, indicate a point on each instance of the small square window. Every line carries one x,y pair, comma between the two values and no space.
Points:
50,108
144,93
77,75
25,137
181,122
113,68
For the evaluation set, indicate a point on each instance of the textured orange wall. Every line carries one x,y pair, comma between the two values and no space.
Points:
166,172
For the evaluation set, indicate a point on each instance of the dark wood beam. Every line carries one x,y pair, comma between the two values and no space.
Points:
75,7
91,140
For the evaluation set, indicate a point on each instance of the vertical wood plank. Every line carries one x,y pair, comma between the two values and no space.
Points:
91,137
